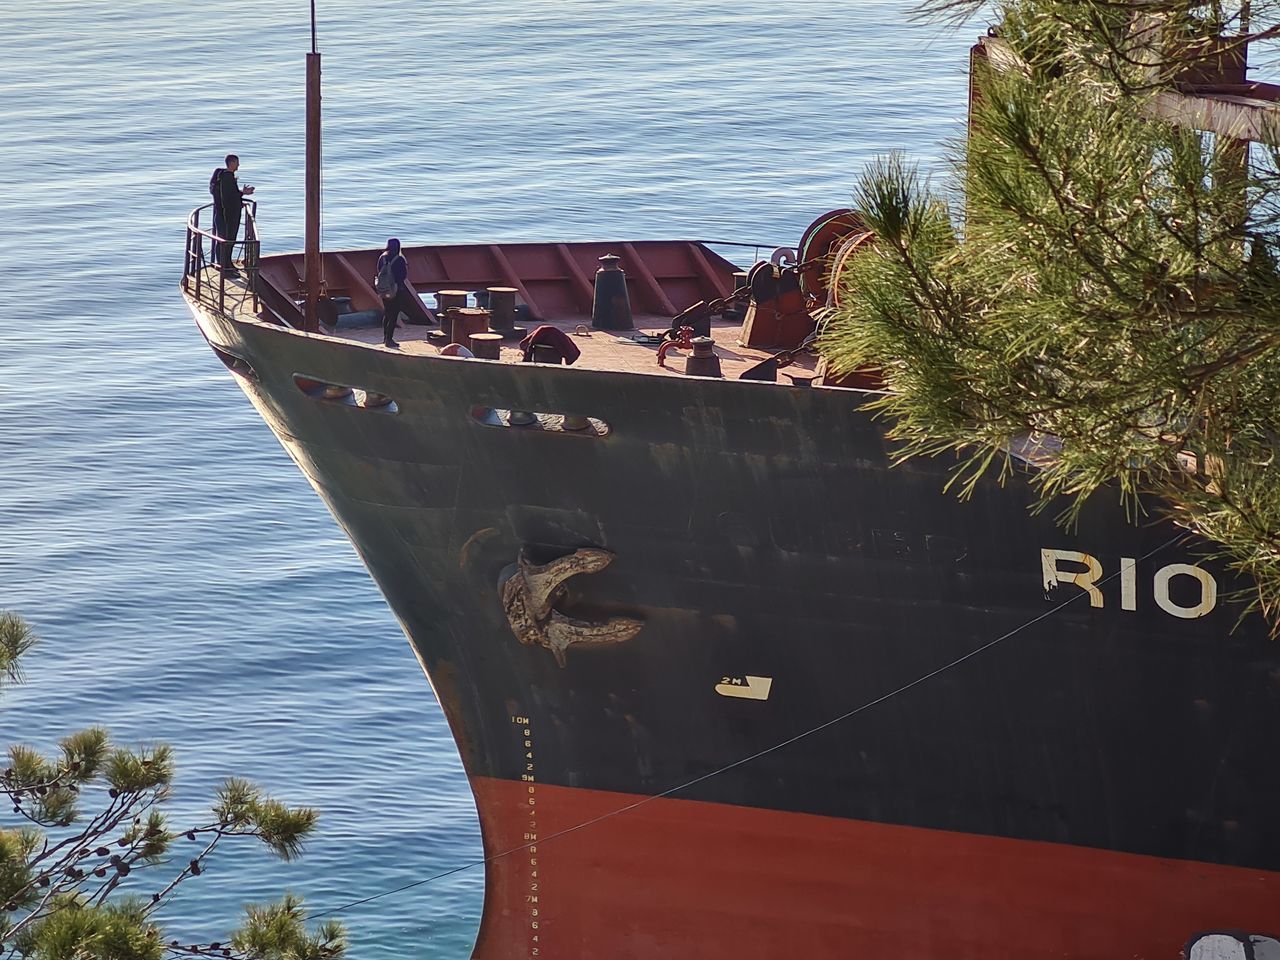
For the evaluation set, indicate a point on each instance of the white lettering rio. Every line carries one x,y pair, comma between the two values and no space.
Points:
1087,580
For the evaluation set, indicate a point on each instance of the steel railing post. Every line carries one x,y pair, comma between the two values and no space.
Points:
195,264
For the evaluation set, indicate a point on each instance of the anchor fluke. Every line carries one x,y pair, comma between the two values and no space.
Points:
529,596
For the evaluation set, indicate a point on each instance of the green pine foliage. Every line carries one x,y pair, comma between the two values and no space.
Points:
16,638
93,857
276,931
75,930
243,807
1092,277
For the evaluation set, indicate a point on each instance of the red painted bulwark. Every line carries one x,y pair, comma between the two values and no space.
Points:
676,878
554,279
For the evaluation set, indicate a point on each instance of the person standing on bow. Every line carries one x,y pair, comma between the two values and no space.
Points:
228,202
391,283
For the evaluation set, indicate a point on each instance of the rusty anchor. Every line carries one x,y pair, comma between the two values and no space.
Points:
529,596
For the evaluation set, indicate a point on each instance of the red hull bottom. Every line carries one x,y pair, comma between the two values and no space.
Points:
678,878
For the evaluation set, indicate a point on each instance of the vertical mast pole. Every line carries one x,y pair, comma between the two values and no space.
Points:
312,269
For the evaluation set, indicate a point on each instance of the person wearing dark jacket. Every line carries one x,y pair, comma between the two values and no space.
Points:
396,299
228,201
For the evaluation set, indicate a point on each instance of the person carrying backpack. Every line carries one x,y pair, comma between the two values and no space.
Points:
391,284
228,201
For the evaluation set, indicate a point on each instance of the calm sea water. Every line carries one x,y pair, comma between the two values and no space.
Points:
188,584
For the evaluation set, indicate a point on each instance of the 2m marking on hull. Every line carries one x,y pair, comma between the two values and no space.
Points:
745,688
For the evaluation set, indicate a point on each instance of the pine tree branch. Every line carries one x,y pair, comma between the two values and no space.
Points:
192,869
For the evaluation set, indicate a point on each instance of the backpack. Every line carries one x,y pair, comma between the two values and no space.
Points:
385,282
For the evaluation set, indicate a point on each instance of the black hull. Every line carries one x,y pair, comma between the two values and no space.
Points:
759,531
1095,781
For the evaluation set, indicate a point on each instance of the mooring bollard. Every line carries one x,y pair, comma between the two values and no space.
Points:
446,299
545,353
611,307
461,322
486,346
502,309
703,362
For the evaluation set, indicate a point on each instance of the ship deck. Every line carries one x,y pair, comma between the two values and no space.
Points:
555,288
606,350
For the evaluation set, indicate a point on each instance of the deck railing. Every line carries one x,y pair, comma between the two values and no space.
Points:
755,248
199,258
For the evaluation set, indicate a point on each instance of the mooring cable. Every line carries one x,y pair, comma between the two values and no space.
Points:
744,760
